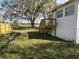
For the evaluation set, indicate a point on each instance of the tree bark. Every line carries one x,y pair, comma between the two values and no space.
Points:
32,23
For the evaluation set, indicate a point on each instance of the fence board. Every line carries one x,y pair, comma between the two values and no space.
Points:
5,28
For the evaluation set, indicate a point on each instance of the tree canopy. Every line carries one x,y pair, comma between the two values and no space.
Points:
27,9
31,8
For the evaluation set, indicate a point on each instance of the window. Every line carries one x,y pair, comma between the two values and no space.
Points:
60,13
70,10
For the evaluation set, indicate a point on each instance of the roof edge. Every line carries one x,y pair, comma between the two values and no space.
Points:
62,5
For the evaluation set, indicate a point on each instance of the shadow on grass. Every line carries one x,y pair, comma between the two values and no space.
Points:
37,35
7,41
3,37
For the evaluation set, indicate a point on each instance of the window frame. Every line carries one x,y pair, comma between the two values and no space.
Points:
60,13
70,10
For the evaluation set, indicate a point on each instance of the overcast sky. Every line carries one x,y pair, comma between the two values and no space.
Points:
61,1
10,1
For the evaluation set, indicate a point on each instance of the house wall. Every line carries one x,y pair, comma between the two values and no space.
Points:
66,25
77,32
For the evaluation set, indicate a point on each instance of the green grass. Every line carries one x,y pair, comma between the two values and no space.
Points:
24,25
3,37
26,30
30,44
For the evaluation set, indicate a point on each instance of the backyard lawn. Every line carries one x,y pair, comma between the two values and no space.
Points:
30,44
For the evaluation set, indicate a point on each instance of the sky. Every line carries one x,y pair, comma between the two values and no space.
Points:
9,1
1,2
61,1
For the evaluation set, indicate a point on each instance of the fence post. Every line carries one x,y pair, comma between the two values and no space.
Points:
5,28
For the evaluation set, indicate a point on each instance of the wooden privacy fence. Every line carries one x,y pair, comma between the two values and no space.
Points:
5,28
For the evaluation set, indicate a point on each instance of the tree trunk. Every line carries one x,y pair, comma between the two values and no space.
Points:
32,23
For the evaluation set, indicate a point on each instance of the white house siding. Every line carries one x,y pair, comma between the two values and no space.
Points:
66,25
66,28
77,33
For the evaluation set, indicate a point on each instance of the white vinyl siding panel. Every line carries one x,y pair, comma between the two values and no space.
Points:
66,25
